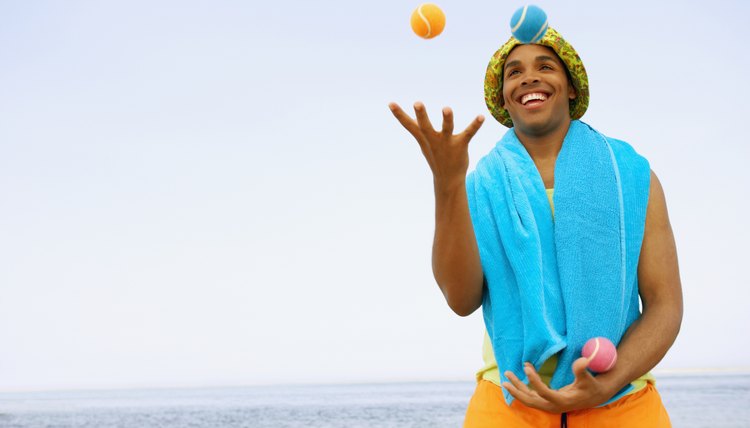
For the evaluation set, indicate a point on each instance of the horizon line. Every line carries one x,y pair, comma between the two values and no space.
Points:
688,371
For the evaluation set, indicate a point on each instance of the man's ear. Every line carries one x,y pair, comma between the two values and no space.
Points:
572,94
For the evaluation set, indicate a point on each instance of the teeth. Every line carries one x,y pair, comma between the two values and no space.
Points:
534,96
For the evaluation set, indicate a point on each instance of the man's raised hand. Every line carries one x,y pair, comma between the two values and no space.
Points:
447,154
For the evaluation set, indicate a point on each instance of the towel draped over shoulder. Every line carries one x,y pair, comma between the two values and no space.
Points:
552,284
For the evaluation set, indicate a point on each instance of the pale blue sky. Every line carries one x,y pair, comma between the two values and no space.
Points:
215,193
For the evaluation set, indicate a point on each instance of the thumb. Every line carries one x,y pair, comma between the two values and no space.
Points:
579,368
473,127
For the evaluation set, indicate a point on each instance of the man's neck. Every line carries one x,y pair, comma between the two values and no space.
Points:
544,147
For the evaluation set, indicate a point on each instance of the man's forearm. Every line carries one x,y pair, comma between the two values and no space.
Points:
455,255
644,345
648,339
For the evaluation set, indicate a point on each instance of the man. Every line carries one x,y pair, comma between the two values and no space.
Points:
538,271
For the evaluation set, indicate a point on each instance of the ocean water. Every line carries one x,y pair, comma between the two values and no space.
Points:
716,401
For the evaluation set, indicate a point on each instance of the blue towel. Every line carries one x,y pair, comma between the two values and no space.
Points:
552,284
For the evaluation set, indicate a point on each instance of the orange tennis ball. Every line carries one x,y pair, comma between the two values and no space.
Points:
428,20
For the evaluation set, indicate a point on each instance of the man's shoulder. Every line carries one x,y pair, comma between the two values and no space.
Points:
614,142
620,144
623,148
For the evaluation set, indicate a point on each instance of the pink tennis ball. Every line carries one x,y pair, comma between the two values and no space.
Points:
601,353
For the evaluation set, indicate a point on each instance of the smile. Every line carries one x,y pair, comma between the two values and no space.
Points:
533,99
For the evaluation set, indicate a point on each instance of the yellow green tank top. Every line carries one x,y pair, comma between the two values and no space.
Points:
491,372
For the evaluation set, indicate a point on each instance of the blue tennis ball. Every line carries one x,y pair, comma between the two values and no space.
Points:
528,24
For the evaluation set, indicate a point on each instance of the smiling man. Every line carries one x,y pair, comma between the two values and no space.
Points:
559,234
539,107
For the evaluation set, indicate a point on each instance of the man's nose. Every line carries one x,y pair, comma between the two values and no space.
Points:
530,78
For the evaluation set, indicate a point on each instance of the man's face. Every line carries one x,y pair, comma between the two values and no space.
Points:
536,89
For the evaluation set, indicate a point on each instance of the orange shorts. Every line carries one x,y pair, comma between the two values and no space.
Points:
487,408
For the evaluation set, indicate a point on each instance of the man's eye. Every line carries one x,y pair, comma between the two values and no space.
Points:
545,66
510,73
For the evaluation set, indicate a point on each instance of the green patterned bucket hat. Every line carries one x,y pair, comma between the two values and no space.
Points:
493,81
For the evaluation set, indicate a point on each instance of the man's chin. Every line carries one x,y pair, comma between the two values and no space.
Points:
536,126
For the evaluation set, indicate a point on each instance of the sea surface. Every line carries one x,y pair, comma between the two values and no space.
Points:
715,401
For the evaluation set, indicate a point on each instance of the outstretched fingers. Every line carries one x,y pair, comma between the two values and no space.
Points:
473,127
524,394
406,121
447,121
517,388
422,119
414,129
535,381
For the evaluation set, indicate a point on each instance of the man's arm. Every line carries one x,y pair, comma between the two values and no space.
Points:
648,338
455,255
